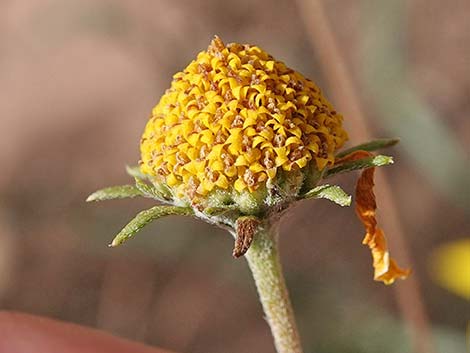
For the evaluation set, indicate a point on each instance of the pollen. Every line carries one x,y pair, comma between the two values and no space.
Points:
234,118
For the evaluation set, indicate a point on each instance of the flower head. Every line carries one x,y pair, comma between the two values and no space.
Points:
236,139
234,119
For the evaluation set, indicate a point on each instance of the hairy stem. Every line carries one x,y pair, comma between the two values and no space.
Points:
263,259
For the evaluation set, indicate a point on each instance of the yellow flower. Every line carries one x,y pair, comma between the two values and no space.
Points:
238,138
451,267
233,119
235,141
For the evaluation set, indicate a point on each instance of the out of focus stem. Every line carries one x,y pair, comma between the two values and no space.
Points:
263,259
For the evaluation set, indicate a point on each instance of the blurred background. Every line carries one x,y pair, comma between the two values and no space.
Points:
78,79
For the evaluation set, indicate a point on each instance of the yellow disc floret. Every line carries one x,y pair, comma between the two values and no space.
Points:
233,119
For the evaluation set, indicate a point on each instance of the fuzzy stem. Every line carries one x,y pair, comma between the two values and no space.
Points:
263,259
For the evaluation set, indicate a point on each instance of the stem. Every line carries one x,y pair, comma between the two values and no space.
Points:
263,259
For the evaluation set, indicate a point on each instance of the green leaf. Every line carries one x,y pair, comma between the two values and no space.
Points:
157,190
151,191
374,161
134,171
370,146
115,192
145,217
144,188
330,192
218,210
154,190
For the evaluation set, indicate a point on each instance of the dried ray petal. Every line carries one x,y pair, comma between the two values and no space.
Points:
246,229
385,268
354,156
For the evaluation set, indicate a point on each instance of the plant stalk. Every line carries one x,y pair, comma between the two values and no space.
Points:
263,259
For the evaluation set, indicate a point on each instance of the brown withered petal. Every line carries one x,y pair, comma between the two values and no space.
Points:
246,228
386,269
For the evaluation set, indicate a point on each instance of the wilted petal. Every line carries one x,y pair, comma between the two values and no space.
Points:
386,269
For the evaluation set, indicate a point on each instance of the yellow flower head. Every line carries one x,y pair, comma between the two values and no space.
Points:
237,139
234,119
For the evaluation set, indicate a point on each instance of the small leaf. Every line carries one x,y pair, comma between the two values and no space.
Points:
370,146
373,161
216,211
134,171
154,190
115,192
330,192
145,217
144,188
150,190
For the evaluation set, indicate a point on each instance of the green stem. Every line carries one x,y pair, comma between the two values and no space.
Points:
263,259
